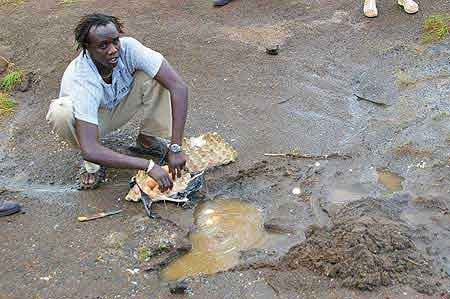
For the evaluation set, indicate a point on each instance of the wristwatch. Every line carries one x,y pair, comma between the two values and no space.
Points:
175,148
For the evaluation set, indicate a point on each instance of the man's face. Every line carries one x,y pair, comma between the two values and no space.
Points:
104,45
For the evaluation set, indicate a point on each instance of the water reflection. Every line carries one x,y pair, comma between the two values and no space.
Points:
224,227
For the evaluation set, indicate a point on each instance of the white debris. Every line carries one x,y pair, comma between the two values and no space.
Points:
421,164
197,142
296,191
134,271
208,211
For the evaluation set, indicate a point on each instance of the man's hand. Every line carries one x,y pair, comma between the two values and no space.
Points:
162,178
177,162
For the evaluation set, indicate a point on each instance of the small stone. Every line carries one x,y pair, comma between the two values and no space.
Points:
296,191
178,287
273,50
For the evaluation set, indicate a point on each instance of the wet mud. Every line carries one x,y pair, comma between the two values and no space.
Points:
364,251
360,210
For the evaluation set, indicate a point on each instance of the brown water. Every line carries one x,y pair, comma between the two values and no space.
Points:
392,181
224,227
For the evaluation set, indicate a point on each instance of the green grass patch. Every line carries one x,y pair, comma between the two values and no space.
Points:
144,254
6,104
68,2
436,28
11,80
441,116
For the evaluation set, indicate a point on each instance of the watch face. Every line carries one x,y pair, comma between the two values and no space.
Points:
175,148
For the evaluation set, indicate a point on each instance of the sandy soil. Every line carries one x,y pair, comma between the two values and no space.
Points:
302,99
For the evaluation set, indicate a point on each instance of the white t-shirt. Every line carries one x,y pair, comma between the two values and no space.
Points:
83,83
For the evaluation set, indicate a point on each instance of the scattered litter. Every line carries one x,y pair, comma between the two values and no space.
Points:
273,50
359,98
421,164
98,215
317,164
296,191
178,287
286,100
46,278
134,271
196,142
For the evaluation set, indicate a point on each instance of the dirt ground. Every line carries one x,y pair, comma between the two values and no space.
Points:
348,234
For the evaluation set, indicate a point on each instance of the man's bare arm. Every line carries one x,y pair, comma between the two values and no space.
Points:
170,79
94,152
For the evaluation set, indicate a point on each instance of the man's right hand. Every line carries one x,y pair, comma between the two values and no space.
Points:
162,178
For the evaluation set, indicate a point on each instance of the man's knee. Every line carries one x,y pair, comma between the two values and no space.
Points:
60,113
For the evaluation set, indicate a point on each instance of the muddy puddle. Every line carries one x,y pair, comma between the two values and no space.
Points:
342,195
224,227
392,181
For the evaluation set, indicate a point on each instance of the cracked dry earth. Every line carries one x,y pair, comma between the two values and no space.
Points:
360,104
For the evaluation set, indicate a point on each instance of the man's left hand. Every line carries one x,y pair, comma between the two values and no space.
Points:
177,162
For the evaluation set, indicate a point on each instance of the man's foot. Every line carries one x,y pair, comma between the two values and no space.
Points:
150,145
221,2
370,8
89,181
8,207
409,6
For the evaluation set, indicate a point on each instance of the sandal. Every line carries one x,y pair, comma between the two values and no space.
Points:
99,177
158,148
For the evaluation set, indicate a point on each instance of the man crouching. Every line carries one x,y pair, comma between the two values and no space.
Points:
111,79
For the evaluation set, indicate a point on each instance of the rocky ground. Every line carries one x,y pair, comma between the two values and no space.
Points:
361,105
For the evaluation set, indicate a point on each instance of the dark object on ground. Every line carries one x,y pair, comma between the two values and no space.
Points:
8,208
378,85
158,149
178,287
273,50
27,83
369,100
221,2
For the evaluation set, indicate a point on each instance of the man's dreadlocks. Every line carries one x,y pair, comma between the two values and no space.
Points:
93,20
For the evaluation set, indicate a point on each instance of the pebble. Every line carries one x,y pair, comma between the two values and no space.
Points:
296,191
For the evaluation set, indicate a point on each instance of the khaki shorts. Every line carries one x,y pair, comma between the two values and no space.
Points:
146,95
